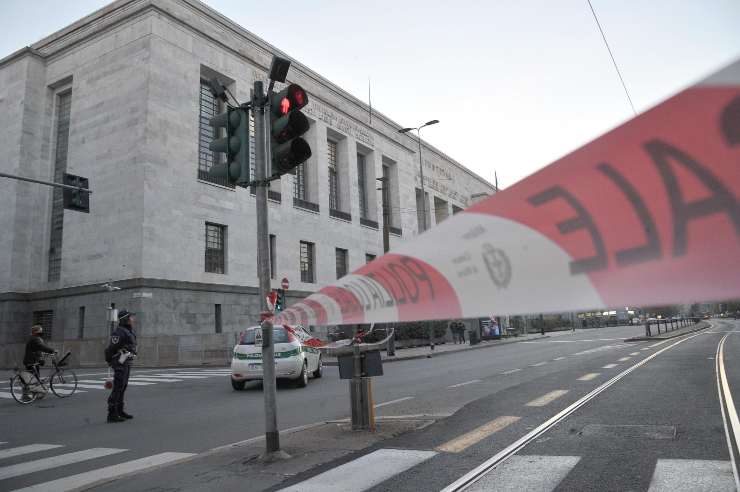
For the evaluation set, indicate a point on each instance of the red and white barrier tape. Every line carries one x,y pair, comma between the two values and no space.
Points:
647,214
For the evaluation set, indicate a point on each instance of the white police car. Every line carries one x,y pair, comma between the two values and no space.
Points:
297,356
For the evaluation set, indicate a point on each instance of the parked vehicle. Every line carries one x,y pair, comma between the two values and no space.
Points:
297,356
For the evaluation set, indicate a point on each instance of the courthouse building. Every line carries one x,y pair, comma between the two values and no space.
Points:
120,97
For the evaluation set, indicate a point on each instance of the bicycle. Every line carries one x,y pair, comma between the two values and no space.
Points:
61,381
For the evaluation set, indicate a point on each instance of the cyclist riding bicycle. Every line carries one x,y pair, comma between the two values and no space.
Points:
35,348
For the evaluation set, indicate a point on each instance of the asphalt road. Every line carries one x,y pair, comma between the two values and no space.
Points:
193,414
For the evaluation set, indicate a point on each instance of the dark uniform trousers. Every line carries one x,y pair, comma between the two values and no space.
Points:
120,383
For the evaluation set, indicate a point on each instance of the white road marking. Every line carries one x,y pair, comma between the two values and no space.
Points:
670,475
364,472
511,371
466,440
589,376
465,383
725,395
155,380
635,353
55,461
101,475
540,473
4,394
176,375
86,386
399,400
538,364
506,453
101,383
658,344
31,448
547,398
610,366
624,359
646,348
559,358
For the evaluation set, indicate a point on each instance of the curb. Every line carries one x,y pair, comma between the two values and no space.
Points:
648,339
446,352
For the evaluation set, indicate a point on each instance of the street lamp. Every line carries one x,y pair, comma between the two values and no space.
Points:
421,171
423,201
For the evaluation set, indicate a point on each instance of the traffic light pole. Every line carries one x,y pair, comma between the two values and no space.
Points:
272,437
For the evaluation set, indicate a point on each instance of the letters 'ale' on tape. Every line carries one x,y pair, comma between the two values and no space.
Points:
646,214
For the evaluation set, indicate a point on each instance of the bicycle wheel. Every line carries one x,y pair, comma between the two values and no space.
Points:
17,387
63,383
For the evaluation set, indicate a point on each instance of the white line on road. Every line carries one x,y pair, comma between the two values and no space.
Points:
475,474
4,394
31,448
102,475
635,353
86,386
589,376
725,395
363,473
610,366
659,343
176,375
547,398
55,461
465,383
624,359
559,358
646,348
101,383
399,400
156,380
670,475
511,371
538,364
516,473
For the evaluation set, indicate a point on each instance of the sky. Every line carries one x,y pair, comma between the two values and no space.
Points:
515,84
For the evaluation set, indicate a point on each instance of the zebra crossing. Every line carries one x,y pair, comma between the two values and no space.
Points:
144,377
56,463
514,474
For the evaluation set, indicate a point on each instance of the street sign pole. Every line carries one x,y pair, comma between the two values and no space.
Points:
272,437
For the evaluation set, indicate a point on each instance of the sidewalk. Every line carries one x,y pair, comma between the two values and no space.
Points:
449,348
238,466
670,334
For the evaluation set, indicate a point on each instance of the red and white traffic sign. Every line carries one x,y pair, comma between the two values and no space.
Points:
647,214
284,283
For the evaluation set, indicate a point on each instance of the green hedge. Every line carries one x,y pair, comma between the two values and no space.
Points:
412,330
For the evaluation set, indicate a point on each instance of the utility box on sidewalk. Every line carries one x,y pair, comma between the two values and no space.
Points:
371,365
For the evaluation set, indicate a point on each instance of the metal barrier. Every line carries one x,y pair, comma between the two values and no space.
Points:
669,324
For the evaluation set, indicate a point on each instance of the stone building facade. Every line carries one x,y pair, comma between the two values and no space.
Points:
118,97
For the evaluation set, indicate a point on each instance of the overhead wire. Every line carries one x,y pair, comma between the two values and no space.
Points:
616,67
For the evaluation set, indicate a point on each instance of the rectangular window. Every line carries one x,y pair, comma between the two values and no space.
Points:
46,320
81,323
217,318
209,107
362,185
307,262
215,248
342,262
385,194
299,182
331,157
64,107
272,255
369,257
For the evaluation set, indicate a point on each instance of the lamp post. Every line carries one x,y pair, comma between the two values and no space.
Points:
423,200
421,172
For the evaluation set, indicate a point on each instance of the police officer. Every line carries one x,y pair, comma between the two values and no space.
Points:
119,354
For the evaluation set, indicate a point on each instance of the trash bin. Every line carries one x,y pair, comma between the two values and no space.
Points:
474,338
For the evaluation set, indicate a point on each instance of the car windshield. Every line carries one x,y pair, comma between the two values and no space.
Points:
279,335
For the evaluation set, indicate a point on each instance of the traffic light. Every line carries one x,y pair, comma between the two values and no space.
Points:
279,300
76,199
287,124
235,144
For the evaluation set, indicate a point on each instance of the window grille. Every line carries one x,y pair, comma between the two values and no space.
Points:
342,266
209,107
46,320
215,249
333,177
362,185
299,182
64,106
307,262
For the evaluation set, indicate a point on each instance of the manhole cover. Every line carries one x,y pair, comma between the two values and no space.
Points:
631,431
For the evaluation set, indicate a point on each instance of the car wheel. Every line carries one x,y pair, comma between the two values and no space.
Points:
303,378
320,369
238,385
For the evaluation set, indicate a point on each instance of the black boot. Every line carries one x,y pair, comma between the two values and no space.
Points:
114,417
125,415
